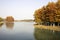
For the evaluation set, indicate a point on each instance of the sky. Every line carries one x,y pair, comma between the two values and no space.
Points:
21,9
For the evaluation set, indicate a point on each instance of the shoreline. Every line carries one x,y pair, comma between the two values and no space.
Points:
55,28
23,20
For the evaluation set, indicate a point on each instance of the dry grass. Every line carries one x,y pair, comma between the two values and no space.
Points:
55,28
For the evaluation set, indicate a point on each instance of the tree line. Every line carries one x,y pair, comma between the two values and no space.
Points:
48,14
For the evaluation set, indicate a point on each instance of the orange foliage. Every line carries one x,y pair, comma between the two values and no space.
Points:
9,19
49,13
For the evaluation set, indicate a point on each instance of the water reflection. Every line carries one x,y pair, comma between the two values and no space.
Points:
21,31
44,34
9,25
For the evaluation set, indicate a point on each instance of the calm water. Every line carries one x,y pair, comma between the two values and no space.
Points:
17,31
26,31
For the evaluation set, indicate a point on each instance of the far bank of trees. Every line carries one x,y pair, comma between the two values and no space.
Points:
1,19
48,14
7,19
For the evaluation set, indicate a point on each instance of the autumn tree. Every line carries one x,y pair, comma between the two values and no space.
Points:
58,11
48,13
39,16
51,11
9,19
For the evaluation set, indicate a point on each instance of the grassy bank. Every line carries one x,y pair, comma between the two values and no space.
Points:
55,28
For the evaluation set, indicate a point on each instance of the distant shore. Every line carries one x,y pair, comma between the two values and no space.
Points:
55,28
23,20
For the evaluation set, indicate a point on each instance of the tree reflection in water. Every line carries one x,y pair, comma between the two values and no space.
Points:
10,25
44,34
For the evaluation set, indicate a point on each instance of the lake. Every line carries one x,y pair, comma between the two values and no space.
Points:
26,31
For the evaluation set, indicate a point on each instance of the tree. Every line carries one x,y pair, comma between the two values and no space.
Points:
9,19
48,13
58,11
37,16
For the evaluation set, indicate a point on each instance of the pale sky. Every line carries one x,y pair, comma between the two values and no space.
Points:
21,9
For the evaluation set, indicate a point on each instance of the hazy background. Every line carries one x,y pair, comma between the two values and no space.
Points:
21,9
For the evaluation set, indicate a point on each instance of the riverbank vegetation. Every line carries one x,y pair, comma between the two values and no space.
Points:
1,19
11,19
49,14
